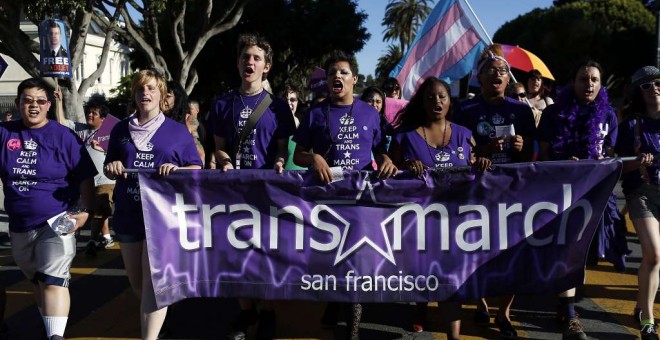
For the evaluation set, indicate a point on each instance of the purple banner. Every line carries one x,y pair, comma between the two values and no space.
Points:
520,228
102,135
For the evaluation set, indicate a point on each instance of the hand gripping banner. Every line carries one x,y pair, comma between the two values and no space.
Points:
520,228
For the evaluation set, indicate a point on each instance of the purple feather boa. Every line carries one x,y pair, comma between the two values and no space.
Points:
580,124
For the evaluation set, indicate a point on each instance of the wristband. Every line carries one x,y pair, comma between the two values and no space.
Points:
224,160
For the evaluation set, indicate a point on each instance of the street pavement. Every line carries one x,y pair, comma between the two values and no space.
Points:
103,307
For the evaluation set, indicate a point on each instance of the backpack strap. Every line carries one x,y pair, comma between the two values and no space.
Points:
252,121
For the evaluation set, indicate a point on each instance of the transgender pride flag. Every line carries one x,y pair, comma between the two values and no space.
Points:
447,46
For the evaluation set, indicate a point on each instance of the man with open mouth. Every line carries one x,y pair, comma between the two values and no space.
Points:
341,132
263,146
503,129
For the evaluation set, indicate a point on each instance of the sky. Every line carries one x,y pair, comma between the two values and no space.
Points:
492,14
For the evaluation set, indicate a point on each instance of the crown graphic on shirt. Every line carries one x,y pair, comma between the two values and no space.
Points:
30,144
497,119
347,119
441,156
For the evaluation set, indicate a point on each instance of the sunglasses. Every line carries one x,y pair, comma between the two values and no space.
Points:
293,100
500,71
649,85
521,95
30,101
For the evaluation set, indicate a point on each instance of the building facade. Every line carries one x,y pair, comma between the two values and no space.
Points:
117,66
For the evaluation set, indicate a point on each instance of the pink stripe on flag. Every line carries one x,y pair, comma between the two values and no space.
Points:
453,56
424,44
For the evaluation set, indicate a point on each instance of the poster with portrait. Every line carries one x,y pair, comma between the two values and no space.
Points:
54,47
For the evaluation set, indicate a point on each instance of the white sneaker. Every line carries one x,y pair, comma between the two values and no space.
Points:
108,243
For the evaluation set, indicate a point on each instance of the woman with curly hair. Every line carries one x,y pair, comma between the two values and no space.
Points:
426,139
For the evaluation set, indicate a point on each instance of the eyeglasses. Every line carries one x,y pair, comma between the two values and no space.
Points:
30,101
649,85
521,95
500,71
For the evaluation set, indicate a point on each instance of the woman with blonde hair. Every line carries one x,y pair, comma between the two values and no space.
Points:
145,140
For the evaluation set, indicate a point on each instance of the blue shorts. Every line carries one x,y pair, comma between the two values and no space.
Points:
130,238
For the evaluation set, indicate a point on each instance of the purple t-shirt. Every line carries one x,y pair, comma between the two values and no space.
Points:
172,143
647,137
41,172
344,134
553,123
456,153
259,150
484,120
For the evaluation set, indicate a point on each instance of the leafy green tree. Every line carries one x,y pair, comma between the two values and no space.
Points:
301,32
617,33
120,103
563,2
170,34
387,62
402,19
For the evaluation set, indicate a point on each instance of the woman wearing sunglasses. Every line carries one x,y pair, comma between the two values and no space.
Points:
638,136
518,93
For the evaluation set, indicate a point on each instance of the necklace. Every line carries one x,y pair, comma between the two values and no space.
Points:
246,111
443,156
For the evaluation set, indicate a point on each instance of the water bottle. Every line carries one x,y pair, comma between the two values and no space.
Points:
64,224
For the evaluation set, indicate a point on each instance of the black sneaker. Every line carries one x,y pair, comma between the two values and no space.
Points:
236,336
506,329
574,330
245,319
5,332
267,325
649,332
90,249
481,317
637,315
56,337
106,243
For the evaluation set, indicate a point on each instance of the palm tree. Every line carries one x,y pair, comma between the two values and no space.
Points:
387,62
402,19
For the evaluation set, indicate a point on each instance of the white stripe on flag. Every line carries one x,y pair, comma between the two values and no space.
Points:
435,60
